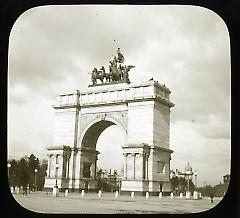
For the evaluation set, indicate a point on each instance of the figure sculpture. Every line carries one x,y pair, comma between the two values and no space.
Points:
120,57
117,71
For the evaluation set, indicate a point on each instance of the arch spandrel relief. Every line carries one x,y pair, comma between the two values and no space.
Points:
88,120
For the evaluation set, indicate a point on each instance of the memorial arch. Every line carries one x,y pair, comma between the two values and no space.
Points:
141,110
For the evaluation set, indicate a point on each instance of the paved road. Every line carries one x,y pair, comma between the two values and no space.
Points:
108,204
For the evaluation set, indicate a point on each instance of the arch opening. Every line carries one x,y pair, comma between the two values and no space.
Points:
109,146
92,134
97,165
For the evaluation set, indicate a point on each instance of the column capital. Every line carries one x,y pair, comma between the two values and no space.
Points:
146,155
140,154
67,156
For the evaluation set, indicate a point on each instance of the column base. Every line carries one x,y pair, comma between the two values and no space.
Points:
188,194
145,186
196,195
142,193
64,183
134,185
55,191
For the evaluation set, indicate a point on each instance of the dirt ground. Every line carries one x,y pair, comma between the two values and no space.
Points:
74,203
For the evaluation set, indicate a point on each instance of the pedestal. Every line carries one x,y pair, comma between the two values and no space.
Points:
55,191
188,194
140,186
196,195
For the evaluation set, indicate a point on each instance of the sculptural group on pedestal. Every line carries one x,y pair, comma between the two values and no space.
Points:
117,71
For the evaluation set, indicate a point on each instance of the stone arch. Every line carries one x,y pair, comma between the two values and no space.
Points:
94,128
141,110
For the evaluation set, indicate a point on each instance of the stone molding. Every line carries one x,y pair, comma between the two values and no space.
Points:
158,148
64,106
150,90
59,147
87,120
142,145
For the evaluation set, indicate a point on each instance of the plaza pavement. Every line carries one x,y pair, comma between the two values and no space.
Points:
74,203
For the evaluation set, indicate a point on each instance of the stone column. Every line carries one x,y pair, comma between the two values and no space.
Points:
77,167
139,166
92,170
95,167
53,168
134,167
60,164
125,166
169,168
49,165
71,164
56,161
67,166
146,166
64,171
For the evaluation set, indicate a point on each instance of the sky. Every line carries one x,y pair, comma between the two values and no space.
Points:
52,50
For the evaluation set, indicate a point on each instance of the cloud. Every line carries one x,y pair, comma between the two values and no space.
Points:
30,127
207,155
214,128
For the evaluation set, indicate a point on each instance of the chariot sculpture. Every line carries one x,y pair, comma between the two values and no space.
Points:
118,72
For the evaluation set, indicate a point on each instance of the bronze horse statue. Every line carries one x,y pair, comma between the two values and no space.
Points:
107,76
96,74
116,73
100,74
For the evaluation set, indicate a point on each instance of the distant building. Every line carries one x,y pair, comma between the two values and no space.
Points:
221,188
226,178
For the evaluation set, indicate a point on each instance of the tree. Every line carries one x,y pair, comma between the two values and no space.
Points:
115,174
33,163
209,190
182,184
13,173
191,186
23,173
41,175
174,183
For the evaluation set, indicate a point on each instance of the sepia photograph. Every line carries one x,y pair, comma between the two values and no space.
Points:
119,109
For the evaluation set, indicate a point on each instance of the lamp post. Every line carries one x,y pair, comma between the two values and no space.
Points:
195,174
8,166
195,193
57,166
55,188
188,173
188,195
35,181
